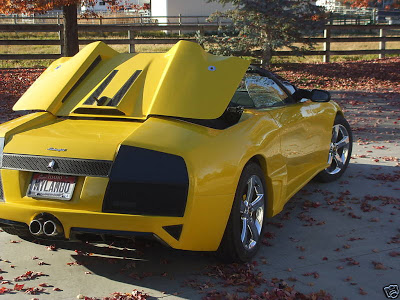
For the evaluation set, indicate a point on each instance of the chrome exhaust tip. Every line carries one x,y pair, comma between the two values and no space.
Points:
50,228
36,227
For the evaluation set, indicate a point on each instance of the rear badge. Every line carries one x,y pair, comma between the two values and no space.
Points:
52,165
58,150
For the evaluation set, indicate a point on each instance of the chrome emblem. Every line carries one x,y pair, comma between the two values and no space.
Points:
55,149
52,165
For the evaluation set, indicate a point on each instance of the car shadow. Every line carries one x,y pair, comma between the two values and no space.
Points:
142,262
149,264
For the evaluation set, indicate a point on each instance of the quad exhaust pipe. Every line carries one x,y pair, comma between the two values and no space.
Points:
36,227
50,228
47,225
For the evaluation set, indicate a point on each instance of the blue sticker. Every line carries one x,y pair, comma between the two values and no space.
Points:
212,68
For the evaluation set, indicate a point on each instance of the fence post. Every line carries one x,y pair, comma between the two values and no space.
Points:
382,44
61,37
15,19
131,37
327,44
58,18
180,24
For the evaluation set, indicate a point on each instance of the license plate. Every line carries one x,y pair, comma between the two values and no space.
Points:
51,186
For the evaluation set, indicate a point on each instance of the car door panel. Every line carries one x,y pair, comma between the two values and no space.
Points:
305,136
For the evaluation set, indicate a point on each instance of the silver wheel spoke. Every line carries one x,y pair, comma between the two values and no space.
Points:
254,230
339,161
243,236
335,133
342,143
258,225
250,189
258,202
330,158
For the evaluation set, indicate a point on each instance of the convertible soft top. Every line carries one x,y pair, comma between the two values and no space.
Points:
184,82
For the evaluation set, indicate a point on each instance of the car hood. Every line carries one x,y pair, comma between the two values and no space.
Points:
184,82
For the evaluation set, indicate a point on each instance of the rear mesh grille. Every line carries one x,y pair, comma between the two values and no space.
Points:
63,166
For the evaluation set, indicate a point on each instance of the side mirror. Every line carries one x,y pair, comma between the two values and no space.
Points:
320,96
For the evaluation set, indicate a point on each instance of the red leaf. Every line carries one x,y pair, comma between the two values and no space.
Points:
362,292
18,287
4,290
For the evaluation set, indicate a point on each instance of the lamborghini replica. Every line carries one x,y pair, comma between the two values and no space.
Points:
194,149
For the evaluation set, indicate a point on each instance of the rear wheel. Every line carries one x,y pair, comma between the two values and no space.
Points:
339,151
245,227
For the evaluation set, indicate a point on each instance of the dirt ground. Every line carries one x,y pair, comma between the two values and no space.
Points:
340,239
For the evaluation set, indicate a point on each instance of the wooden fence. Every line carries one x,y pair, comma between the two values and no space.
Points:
352,17
132,40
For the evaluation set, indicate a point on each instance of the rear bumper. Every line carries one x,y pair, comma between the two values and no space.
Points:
202,228
85,221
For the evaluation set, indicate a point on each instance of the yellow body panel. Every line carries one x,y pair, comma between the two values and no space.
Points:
49,90
84,139
290,143
162,87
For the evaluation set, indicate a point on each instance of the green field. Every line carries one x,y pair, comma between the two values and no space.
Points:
37,49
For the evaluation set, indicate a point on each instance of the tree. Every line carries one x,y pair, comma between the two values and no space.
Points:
70,17
374,3
258,27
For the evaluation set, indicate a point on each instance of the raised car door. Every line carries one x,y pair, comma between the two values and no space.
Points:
304,133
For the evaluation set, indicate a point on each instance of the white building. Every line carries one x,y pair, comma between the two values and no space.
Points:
330,5
102,5
173,8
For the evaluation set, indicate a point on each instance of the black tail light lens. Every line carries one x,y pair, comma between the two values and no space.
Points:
147,182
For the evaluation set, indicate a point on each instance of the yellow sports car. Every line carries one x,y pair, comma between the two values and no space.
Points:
194,149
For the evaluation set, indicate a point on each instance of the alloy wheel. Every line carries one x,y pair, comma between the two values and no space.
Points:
252,212
339,149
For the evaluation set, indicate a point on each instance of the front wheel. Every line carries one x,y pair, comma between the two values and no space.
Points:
244,230
339,151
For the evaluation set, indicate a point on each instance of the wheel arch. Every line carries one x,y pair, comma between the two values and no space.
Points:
262,162
340,113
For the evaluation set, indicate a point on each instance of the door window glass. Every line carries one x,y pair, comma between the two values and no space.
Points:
265,92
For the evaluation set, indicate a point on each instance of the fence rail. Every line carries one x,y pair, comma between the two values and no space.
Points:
132,40
111,19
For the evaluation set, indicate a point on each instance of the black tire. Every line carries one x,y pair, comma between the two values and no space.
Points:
16,231
338,166
232,249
